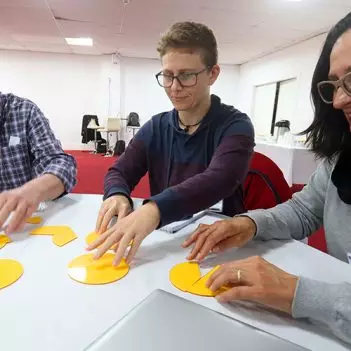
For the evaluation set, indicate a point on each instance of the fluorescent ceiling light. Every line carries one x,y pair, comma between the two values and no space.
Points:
80,41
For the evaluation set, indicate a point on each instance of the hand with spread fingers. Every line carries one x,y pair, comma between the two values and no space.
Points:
220,236
256,280
117,205
136,226
21,202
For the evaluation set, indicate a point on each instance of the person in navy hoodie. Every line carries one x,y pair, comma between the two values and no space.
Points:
196,155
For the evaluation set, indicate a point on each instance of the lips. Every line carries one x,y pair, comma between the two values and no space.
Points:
179,97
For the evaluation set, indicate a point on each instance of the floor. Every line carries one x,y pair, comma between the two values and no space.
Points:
92,169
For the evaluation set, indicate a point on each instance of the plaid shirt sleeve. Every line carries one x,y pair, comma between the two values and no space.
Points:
46,151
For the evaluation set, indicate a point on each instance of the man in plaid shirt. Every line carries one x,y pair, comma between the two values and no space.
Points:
33,166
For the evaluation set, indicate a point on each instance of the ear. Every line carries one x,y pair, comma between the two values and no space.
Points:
214,73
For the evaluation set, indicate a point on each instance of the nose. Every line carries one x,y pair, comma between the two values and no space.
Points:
176,86
341,99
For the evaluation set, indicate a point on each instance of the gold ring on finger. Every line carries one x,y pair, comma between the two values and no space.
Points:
238,274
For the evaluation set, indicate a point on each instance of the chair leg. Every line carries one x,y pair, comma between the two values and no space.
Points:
108,151
107,143
95,142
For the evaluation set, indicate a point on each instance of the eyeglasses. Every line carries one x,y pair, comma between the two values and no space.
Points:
184,79
327,89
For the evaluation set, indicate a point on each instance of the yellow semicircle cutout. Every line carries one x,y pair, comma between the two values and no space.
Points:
187,277
10,272
34,220
50,230
184,275
86,270
64,238
61,234
200,288
4,240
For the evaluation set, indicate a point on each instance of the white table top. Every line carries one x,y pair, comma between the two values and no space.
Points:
46,310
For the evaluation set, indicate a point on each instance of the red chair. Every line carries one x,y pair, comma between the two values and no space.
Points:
317,239
265,185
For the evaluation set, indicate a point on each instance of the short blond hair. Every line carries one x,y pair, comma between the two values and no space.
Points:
192,36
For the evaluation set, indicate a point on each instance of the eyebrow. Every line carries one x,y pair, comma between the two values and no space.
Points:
332,76
185,70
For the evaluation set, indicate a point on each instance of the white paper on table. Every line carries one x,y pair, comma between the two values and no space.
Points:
179,225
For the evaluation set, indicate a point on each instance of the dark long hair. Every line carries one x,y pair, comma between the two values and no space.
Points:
329,133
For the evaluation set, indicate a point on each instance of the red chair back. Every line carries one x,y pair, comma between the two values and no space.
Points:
265,185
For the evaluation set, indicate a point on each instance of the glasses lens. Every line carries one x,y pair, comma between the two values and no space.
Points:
187,79
164,80
326,91
347,84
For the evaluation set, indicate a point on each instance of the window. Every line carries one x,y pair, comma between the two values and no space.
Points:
273,102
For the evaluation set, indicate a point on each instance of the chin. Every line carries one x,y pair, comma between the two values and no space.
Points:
181,107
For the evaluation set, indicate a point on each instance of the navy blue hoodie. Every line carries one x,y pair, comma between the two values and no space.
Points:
188,173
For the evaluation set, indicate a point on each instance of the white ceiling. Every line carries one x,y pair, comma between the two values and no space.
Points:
245,29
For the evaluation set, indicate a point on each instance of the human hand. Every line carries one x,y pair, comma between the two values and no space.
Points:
254,279
220,236
116,205
22,202
136,226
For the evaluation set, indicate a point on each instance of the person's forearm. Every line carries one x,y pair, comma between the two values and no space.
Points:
47,187
225,173
125,174
282,222
300,216
325,303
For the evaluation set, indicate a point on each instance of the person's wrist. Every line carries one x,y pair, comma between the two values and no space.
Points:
154,211
127,201
247,225
33,191
291,286
121,197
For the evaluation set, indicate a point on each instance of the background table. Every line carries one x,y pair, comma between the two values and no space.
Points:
46,310
296,163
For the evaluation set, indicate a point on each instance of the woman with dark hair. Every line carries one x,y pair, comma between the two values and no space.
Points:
326,200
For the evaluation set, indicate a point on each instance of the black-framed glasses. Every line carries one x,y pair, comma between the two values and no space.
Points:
186,79
328,88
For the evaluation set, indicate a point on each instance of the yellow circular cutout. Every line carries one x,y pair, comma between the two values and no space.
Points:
85,269
187,277
10,272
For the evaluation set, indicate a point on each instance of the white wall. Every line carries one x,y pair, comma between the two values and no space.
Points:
142,94
226,86
66,87
298,62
